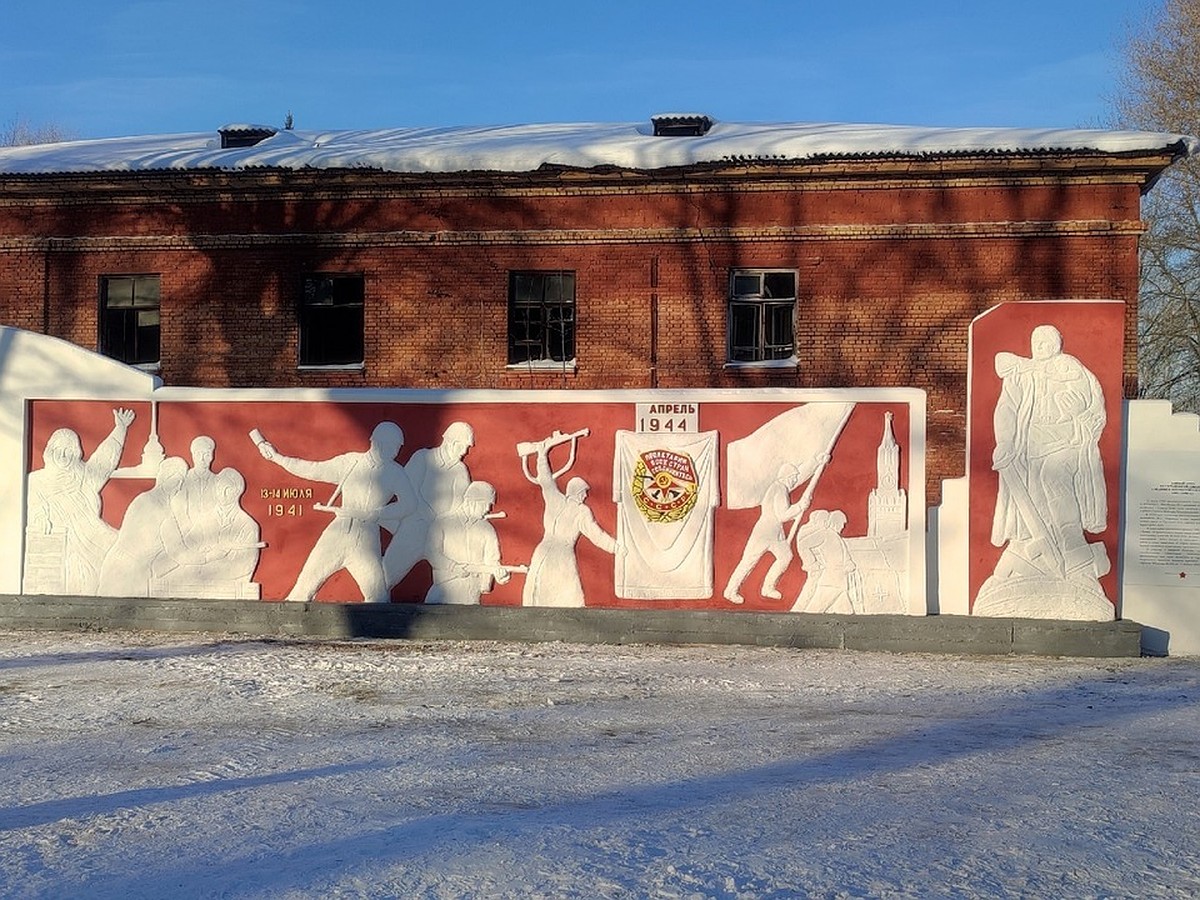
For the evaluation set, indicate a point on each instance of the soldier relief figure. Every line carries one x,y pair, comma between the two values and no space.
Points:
430,505
1048,422
768,536
439,478
466,550
830,585
149,533
370,488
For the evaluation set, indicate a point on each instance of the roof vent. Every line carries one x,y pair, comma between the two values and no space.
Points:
681,125
233,136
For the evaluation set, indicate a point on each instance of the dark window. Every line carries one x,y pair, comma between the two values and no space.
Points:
129,313
762,315
331,320
541,317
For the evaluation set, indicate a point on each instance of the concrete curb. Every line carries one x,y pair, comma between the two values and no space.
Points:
893,634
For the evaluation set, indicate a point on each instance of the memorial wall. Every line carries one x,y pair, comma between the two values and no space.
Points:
779,500
767,500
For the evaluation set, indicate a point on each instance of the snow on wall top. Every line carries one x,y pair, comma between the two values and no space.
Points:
524,148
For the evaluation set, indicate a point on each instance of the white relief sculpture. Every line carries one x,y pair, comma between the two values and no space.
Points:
666,488
799,443
66,539
220,548
767,535
866,574
832,584
881,558
149,533
439,479
196,497
152,453
1048,422
887,505
466,553
372,488
553,578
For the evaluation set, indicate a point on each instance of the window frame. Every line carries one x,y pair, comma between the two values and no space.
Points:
311,324
554,315
129,315
761,307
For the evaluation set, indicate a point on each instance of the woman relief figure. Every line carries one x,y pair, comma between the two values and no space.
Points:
553,578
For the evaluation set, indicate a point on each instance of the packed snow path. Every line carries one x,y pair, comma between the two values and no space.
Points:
150,766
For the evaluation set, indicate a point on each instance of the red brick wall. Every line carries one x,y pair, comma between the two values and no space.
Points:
890,274
173,207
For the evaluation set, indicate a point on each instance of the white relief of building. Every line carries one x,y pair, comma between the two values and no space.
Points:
1048,421
866,574
887,506
152,453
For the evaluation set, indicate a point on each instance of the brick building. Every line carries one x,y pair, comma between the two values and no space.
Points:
679,253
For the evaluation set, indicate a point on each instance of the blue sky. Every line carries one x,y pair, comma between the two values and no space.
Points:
102,68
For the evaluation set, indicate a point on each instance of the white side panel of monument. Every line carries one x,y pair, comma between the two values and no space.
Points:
35,366
1161,577
949,543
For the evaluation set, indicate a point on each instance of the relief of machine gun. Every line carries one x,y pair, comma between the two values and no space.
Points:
527,449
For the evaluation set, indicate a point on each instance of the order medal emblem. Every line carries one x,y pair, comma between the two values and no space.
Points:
664,485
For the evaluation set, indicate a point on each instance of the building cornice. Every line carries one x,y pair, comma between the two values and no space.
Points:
577,236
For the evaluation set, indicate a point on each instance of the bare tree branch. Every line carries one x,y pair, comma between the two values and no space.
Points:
1160,91
18,133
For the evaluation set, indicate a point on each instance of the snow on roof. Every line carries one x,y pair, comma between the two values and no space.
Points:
248,126
524,148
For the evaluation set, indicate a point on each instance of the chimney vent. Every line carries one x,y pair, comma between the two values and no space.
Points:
681,125
233,136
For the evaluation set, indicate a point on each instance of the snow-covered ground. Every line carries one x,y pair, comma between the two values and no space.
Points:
149,766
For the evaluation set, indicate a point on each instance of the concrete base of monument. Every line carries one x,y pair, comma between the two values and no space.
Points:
887,633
